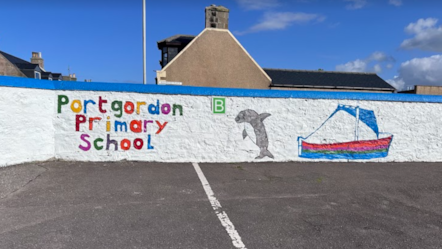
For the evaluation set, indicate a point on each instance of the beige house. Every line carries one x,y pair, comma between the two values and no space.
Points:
214,58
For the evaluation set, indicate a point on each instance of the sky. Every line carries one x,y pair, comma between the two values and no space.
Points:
400,40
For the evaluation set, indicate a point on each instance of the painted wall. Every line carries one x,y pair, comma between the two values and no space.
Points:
108,122
26,127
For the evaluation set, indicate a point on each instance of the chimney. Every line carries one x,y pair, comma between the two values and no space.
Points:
36,59
217,17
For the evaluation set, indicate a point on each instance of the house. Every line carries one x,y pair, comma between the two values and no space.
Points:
170,47
14,66
215,58
212,58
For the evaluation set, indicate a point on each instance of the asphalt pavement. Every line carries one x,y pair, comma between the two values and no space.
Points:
242,205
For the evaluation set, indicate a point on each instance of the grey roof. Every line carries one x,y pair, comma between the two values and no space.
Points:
326,79
178,39
46,75
13,59
26,65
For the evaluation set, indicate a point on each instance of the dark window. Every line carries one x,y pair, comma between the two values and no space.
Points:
165,58
213,25
172,53
213,13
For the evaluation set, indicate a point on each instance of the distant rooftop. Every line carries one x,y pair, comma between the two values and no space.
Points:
178,39
13,59
326,79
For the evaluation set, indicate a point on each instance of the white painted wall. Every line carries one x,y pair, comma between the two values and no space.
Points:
31,129
201,136
26,129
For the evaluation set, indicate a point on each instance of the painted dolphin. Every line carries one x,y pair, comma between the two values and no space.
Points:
255,120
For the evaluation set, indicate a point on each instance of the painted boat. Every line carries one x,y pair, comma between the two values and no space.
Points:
363,149
353,150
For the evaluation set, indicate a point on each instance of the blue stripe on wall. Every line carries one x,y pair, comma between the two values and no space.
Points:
211,91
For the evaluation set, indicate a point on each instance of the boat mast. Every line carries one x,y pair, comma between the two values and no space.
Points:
357,124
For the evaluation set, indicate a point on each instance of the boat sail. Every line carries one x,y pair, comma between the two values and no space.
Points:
357,149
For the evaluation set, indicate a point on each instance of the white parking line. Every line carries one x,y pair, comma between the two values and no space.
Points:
222,216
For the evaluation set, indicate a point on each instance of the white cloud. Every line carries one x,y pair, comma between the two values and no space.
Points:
258,4
421,25
396,3
398,83
380,56
419,71
363,65
427,37
282,20
355,4
377,68
353,66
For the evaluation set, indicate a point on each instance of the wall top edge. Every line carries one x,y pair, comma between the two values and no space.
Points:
6,81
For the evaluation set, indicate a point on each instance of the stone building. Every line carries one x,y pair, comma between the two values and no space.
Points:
14,66
215,58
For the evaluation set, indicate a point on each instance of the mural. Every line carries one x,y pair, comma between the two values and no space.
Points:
357,149
256,121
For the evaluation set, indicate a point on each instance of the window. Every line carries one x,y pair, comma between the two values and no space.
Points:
165,59
213,25
213,13
172,53
37,75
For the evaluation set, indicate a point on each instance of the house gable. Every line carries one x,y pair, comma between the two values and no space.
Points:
215,58
8,68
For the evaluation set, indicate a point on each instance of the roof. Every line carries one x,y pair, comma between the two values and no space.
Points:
326,79
180,39
46,75
26,66
13,59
